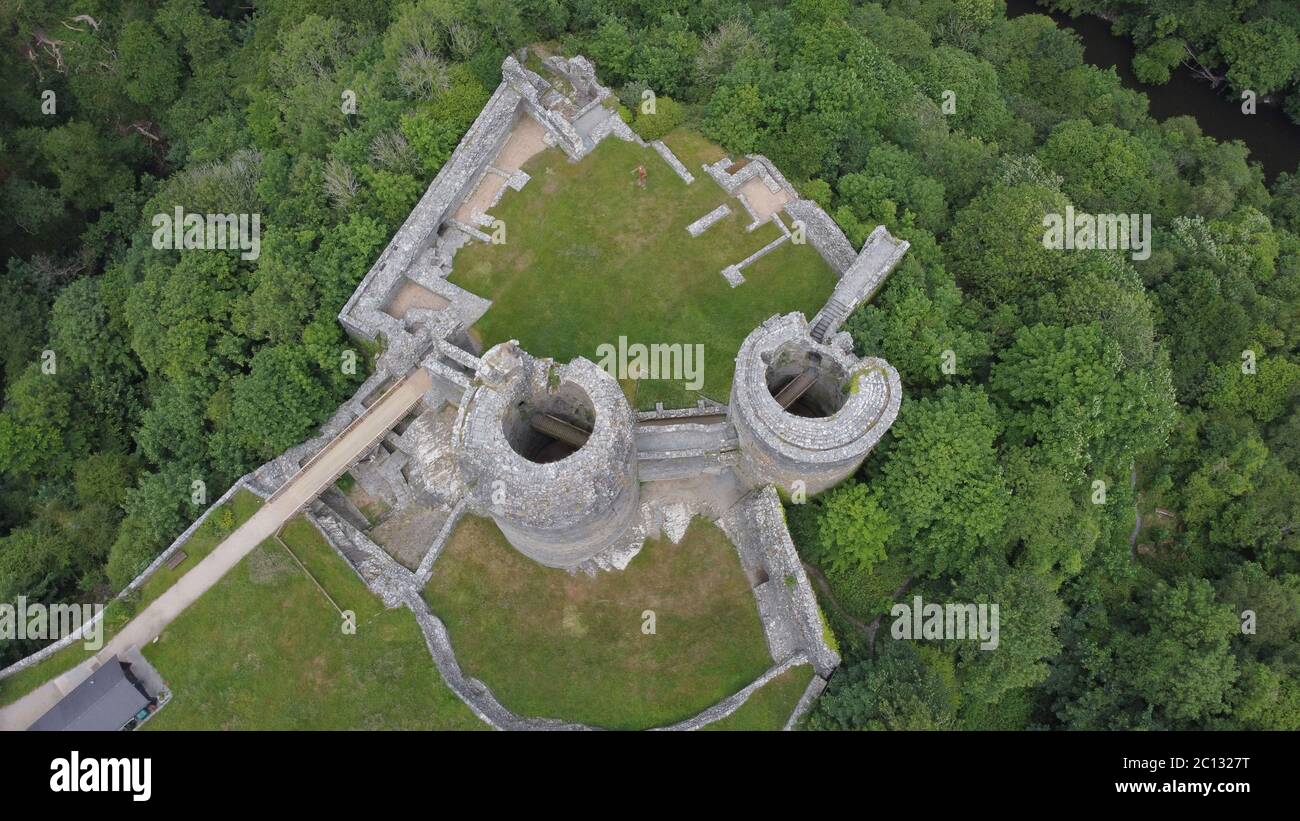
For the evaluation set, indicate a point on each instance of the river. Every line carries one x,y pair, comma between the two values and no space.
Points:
1274,140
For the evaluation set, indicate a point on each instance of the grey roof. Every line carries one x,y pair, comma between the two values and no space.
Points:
105,701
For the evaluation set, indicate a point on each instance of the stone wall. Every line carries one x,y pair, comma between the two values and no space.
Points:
781,448
560,513
810,694
880,254
788,607
735,701
671,158
823,234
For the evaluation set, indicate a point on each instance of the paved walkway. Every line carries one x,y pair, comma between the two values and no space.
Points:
319,474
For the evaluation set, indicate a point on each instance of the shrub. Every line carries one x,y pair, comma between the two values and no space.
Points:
668,115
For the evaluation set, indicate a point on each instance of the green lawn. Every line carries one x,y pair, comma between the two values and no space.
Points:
556,645
264,649
220,524
589,257
694,150
771,706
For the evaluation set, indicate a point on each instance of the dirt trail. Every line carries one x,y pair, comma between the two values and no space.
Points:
824,588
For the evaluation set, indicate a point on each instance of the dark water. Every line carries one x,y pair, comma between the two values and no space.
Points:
1273,140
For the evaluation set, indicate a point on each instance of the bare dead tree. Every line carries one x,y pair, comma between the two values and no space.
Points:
84,18
340,183
52,48
53,273
147,129
1201,70
30,54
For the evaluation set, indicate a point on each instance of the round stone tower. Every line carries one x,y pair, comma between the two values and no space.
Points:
548,452
807,411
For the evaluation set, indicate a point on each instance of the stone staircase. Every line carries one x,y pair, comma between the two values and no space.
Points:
829,318
880,254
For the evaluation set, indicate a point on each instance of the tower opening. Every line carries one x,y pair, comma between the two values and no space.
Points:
804,383
550,427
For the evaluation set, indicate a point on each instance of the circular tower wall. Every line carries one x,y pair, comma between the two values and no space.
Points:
806,411
548,452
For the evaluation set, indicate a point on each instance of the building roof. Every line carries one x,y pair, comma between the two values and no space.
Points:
105,701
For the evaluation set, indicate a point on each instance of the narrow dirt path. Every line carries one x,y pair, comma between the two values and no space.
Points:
824,588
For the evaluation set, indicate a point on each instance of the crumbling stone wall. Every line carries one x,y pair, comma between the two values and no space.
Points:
792,620
801,453
560,513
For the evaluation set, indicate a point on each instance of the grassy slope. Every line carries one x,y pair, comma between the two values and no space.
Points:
590,257
263,649
217,526
560,646
771,706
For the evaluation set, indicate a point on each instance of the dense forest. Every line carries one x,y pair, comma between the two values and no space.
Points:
1249,45
1049,394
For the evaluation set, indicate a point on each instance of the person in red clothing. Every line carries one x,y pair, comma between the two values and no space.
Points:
640,176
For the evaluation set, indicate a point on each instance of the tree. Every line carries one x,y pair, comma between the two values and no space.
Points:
942,480
91,169
1182,665
898,690
103,478
667,115
437,126
149,63
1106,169
1263,55
1029,612
610,48
1072,397
37,434
854,528
735,117
1275,603
1264,394
665,56
978,107
1153,63
996,246
914,322
278,402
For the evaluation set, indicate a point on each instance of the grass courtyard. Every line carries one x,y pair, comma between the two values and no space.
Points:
590,257
555,645
264,649
771,706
